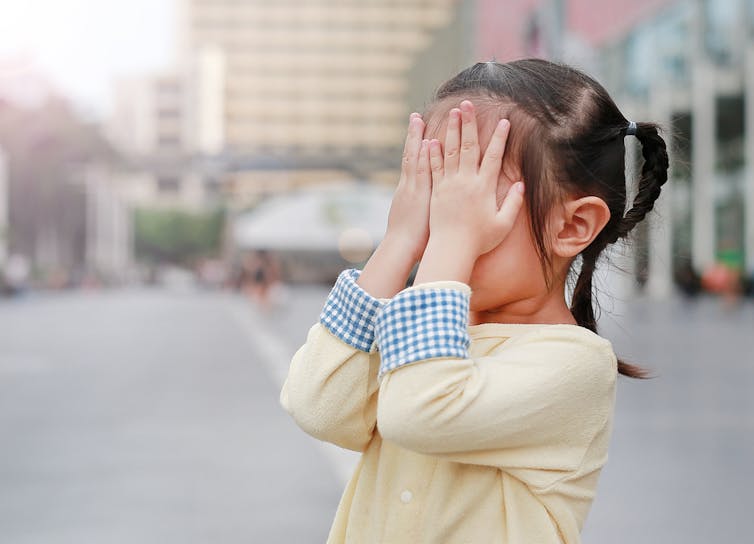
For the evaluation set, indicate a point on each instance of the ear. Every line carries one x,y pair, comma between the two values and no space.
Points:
578,222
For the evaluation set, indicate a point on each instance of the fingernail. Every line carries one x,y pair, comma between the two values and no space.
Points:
520,187
503,123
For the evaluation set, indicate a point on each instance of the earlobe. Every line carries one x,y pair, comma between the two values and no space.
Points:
579,222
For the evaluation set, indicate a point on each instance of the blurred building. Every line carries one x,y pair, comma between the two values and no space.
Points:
109,225
149,129
305,91
48,208
555,29
685,63
689,66
3,208
148,115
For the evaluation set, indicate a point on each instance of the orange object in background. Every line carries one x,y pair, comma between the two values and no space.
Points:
720,279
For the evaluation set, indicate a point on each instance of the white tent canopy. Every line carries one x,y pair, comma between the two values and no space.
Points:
341,218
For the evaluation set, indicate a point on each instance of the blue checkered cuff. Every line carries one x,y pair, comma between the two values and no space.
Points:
423,323
350,312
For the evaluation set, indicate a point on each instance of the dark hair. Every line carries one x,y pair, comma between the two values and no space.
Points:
567,135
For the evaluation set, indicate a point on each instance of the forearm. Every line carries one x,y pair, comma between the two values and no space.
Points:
387,270
332,380
446,259
330,390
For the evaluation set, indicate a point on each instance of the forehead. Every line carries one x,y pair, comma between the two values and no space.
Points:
487,117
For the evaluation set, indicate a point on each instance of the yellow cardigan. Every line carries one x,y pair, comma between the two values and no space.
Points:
504,446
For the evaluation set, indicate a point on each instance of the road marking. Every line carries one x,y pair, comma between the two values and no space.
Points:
275,355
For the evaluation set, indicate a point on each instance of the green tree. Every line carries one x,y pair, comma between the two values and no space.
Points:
176,236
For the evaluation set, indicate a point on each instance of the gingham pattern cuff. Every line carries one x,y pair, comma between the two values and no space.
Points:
350,312
423,323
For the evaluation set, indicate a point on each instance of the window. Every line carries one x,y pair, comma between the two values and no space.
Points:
719,29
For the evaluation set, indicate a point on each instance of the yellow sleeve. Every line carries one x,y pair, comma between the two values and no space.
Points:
535,404
331,390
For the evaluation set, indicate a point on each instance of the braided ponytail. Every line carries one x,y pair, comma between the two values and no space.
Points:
654,174
582,307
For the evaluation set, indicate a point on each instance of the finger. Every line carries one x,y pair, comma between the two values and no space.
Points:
412,146
452,140
469,160
493,157
506,215
436,161
423,172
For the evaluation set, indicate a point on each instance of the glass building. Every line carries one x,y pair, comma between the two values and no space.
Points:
691,67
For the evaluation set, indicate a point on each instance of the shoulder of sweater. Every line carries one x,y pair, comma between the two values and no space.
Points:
561,332
568,338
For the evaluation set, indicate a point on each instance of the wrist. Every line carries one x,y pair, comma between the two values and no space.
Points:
446,258
402,248
387,270
456,243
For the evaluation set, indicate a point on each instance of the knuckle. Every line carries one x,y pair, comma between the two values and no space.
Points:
468,145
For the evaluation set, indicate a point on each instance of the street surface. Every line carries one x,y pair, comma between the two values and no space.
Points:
148,416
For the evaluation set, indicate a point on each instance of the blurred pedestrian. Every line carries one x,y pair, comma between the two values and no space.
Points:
481,402
16,274
688,280
260,274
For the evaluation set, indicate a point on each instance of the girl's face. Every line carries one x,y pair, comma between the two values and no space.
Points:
510,275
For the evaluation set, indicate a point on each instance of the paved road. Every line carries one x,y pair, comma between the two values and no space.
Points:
147,417
680,467
153,417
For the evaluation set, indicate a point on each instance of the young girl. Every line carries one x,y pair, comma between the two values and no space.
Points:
482,404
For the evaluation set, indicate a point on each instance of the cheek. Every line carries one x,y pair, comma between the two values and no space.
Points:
515,259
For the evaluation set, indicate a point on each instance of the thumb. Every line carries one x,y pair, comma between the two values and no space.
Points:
506,215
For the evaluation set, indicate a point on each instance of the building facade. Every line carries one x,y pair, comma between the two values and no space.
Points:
301,92
686,64
689,66
149,128
309,77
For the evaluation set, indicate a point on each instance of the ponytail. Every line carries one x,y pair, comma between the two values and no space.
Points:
654,174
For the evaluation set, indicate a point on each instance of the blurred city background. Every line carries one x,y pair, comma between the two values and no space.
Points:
182,180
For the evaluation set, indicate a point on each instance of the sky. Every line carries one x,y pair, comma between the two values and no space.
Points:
81,46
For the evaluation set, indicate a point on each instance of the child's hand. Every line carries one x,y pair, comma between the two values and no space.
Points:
464,212
408,221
